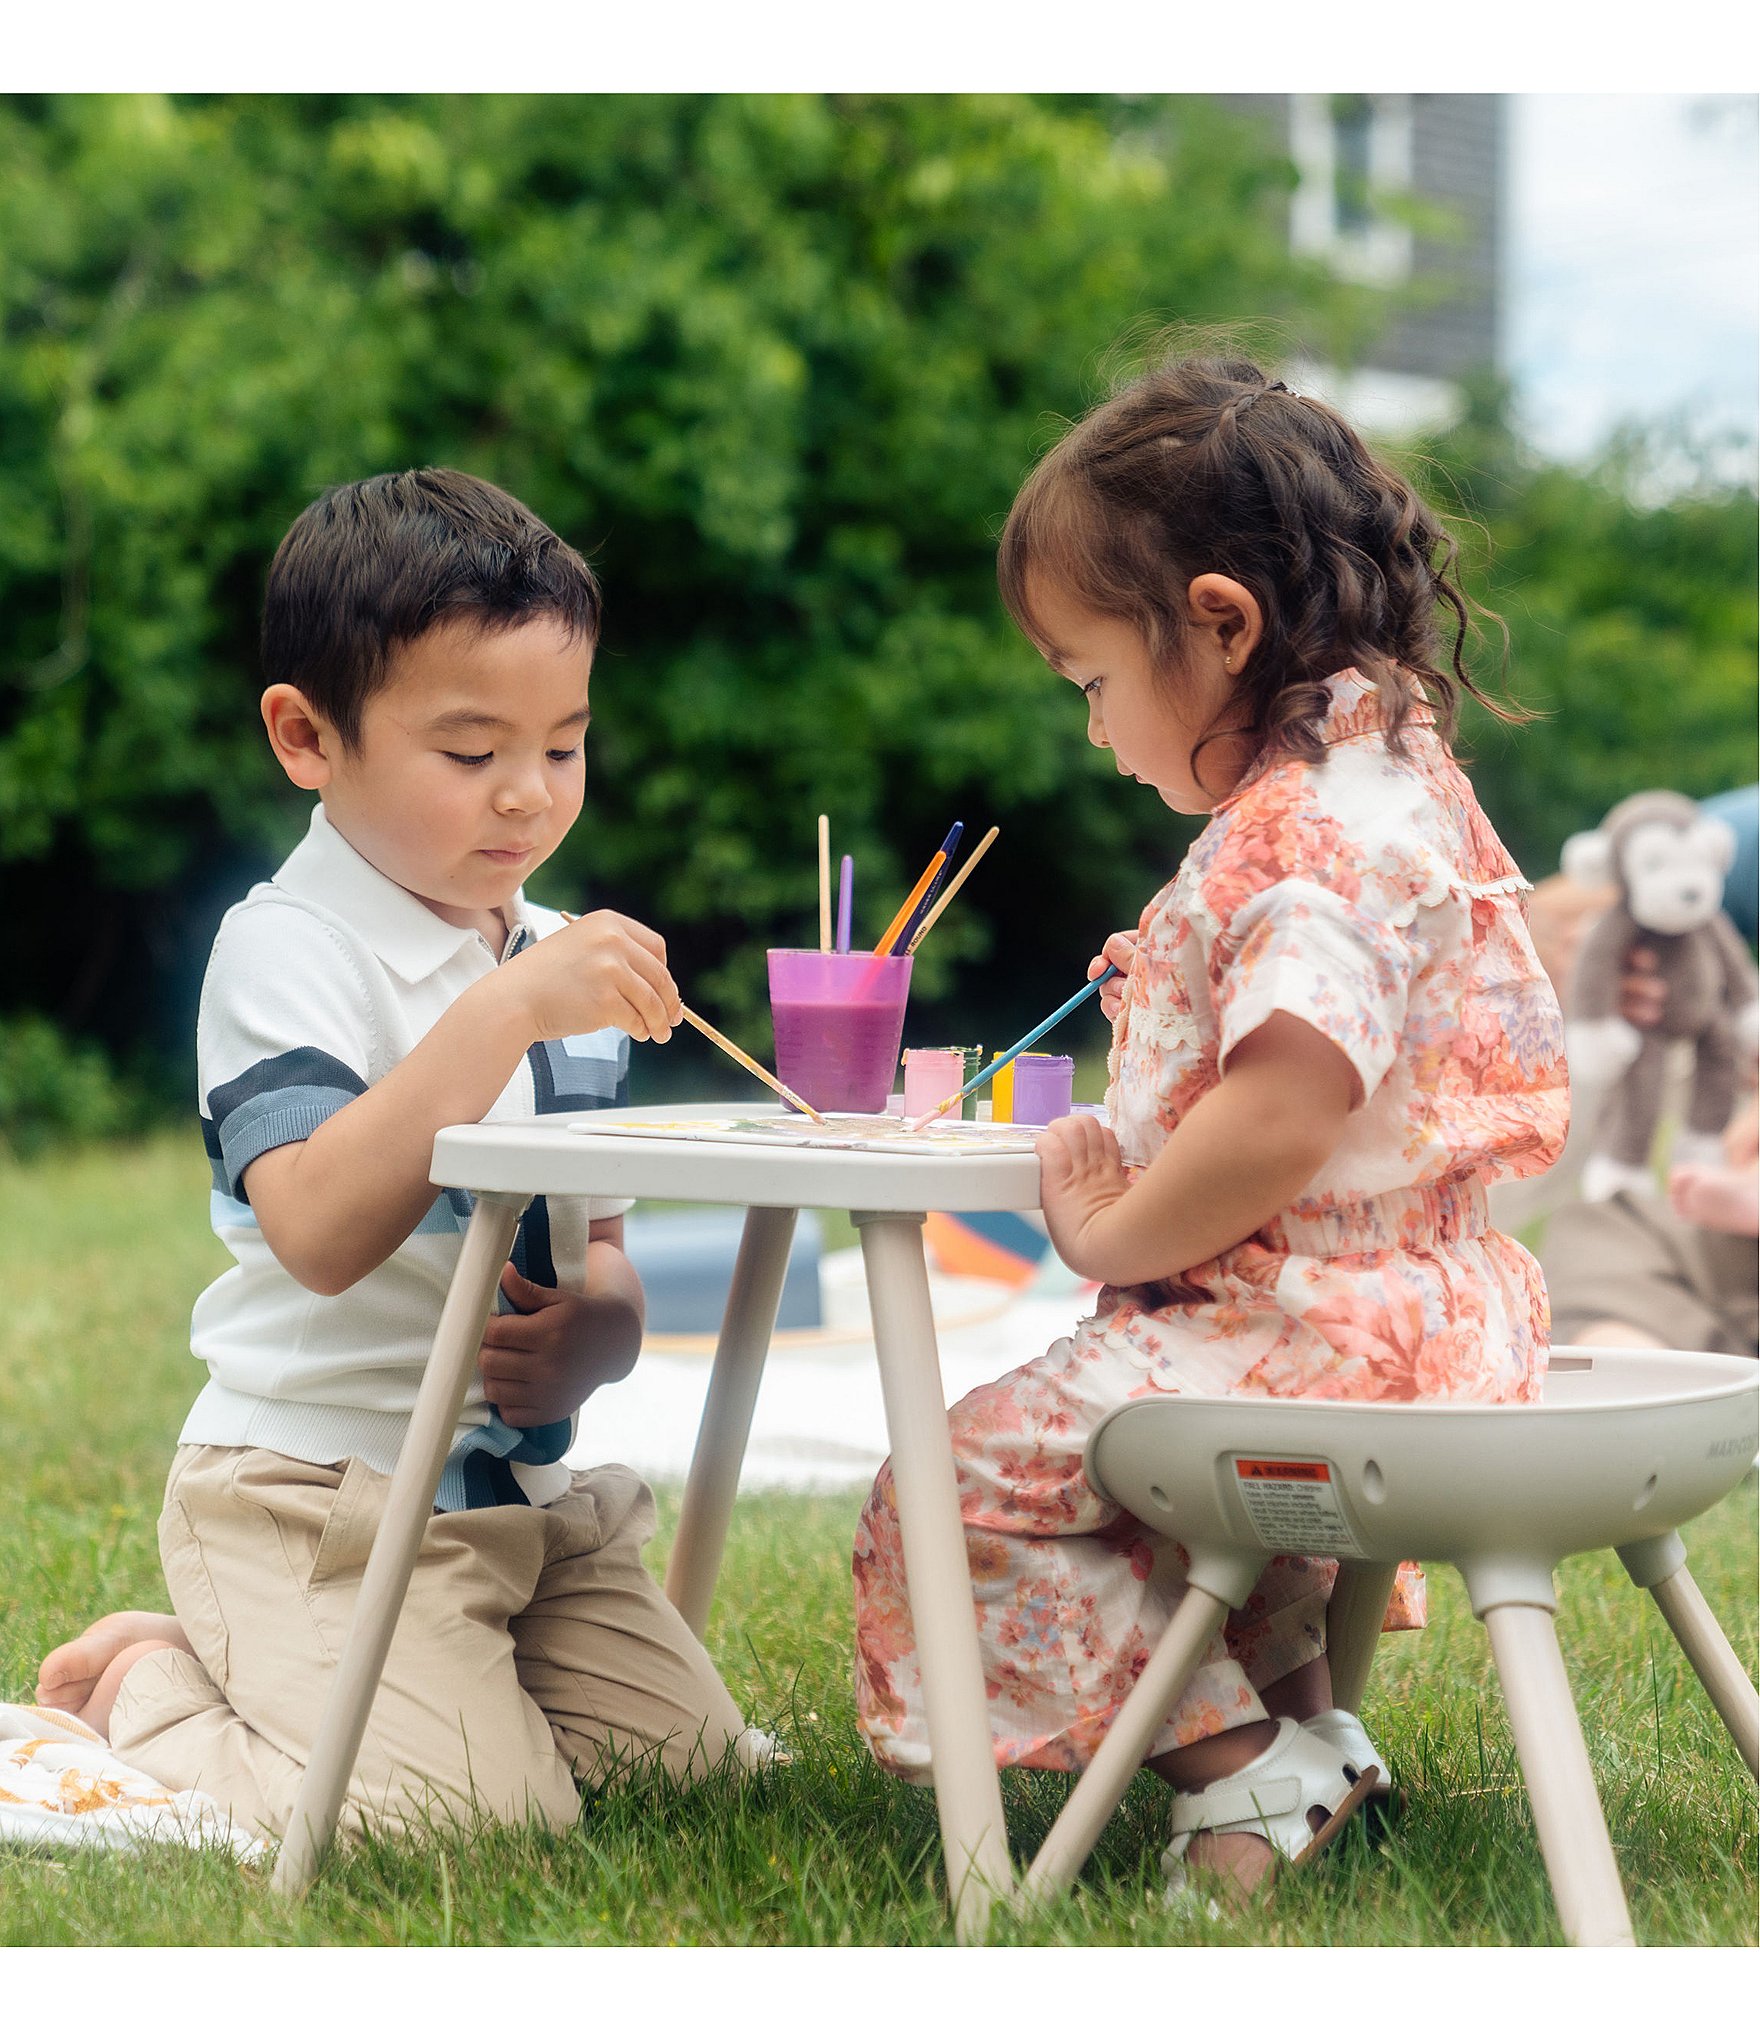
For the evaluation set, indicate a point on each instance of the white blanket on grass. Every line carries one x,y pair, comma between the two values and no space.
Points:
62,1786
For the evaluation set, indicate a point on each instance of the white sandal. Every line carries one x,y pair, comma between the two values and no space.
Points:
1272,1796
1350,1738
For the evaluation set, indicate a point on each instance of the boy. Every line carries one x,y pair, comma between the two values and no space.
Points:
428,644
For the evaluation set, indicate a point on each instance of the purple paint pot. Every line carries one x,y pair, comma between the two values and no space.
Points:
1043,1086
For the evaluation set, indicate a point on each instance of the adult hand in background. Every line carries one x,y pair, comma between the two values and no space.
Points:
1643,991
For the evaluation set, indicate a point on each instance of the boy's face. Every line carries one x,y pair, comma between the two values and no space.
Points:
469,769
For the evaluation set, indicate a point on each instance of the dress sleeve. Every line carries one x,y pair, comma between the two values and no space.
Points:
1300,947
284,1037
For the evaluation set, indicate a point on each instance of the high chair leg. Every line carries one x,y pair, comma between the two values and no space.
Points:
1104,1783
1555,1767
1710,1654
1353,1627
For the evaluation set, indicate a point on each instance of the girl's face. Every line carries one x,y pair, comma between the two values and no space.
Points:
1149,723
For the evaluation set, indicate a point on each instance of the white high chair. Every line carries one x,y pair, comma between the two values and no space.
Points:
1622,1448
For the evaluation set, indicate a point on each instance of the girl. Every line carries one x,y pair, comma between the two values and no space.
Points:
1333,1033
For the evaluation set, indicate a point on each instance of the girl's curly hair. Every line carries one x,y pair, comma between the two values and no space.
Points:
1202,464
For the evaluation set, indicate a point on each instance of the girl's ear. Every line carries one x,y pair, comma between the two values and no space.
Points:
1228,608
298,736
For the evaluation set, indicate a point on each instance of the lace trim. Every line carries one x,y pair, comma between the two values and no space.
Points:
1446,882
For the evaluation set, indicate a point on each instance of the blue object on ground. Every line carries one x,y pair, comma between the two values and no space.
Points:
685,1260
1740,808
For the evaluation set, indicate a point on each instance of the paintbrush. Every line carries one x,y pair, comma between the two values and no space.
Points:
1008,1055
940,906
897,924
746,1063
824,882
902,941
739,1055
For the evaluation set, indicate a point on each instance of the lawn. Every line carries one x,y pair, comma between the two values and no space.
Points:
100,1256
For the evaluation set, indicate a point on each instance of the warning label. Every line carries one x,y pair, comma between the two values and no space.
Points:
1293,1505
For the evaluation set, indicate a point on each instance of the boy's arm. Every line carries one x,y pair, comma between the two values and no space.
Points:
335,1205
1245,1150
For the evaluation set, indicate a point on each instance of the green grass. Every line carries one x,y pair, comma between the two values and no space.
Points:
100,1256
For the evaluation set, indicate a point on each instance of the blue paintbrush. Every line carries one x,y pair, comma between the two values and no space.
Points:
1008,1055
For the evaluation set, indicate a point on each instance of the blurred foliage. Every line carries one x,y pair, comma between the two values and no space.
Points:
52,1089
1632,622
777,364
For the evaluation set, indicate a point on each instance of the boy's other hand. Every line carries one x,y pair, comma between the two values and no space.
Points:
603,970
541,1360
1120,949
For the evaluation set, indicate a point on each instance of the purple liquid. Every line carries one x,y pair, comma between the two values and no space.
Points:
839,1021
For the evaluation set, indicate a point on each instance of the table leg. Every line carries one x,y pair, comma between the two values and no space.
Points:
740,1352
968,1796
487,1243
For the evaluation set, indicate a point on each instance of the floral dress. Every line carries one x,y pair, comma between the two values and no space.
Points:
1369,896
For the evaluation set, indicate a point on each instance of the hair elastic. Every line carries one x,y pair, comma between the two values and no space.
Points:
1253,396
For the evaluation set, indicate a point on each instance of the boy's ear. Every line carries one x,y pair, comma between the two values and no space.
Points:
299,737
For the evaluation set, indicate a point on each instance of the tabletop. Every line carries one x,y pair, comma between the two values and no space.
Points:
545,1158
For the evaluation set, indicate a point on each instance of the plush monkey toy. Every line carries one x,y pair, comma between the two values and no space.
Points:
1668,861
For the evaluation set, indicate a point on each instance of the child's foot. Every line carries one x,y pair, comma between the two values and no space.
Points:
1287,1802
69,1677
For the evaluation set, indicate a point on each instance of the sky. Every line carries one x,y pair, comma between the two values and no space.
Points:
1633,265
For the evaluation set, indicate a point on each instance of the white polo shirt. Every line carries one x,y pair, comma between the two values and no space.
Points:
319,983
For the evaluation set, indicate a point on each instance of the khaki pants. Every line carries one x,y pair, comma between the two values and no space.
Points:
1632,1257
533,1648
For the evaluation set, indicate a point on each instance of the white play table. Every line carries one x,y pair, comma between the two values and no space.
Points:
886,1196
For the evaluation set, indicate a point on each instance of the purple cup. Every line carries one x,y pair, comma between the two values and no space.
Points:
839,1020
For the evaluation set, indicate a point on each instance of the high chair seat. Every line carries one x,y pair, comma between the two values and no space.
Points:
1622,1448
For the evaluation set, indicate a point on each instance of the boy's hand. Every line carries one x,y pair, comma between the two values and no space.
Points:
540,1361
1081,1177
603,970
1120,949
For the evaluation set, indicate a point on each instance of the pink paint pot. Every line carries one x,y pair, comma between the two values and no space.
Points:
931,1074
839,1020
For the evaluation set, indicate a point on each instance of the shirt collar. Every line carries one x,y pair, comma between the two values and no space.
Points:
407,937
1356,706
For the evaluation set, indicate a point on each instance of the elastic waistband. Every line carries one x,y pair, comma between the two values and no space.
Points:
1416,1217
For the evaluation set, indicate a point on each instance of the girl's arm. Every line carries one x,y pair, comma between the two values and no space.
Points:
1245,1151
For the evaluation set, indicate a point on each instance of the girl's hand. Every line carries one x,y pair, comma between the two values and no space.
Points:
1081,1177
1120,949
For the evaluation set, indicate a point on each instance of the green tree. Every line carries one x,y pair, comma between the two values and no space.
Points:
1634,629
778,363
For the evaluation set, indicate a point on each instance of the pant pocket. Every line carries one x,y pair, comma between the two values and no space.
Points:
350,1526
193,1599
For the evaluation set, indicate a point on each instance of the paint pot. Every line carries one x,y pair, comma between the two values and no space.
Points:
930,1075
971,1062
1043,1086
1002,1093
838,1020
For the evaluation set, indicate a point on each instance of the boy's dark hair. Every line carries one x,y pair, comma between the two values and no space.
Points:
373,565
1202,464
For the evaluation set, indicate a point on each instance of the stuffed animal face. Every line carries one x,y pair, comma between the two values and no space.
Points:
1674,876
1667,859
